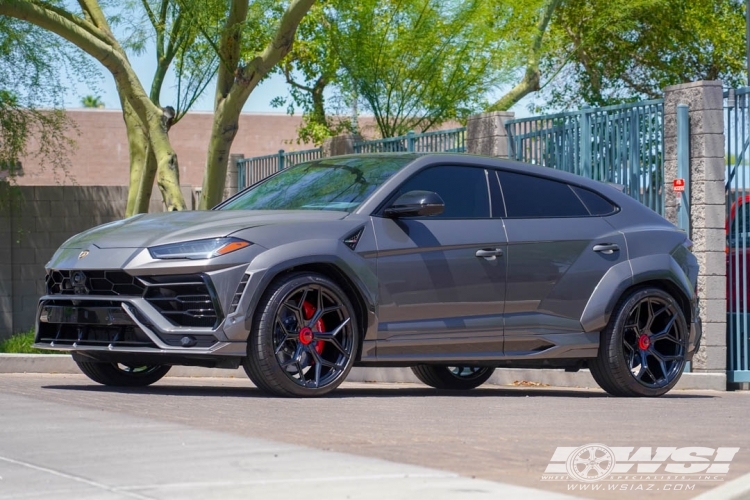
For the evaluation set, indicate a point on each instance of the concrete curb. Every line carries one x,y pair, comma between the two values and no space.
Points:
55,363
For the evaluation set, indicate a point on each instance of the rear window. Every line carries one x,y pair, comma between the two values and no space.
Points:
528,196
596,204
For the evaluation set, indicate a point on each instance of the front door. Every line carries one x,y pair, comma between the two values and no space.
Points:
442,278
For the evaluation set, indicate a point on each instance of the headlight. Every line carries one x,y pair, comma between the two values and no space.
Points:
199,249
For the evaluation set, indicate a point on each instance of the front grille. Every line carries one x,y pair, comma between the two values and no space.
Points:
183,300
66,282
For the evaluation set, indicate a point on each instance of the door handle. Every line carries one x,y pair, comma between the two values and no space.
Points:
607,248
489,253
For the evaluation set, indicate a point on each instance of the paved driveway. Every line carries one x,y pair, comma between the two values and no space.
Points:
500,435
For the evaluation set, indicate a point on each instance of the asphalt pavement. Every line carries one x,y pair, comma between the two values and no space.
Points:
62,436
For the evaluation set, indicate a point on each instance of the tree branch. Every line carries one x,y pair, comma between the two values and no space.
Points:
532,75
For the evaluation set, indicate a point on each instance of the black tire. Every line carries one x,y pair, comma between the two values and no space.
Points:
456,378
274,344
120,375
619,367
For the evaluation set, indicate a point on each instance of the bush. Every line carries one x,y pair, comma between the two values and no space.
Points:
20,343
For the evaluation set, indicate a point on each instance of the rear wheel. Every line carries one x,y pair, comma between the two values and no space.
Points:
304,337
120,375
459,378
642,351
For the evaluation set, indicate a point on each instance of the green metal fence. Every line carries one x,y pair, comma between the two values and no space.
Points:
737,178
620,144
439,141
252,170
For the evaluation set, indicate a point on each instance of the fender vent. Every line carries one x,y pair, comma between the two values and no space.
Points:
353,239
238,293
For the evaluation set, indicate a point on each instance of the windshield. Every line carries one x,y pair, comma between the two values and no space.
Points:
341,183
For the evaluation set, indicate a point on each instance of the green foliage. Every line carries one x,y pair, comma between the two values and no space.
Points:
92,101
21,343
32,63
612,51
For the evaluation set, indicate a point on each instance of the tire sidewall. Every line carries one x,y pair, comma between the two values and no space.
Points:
615,349
260,345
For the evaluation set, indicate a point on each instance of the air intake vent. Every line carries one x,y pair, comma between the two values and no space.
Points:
238,293
184,300
353,239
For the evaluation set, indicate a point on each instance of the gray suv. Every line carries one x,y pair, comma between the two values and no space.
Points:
452,265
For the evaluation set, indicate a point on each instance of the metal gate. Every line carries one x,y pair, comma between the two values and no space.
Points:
737,178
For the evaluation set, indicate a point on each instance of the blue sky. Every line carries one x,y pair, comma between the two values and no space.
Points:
144,64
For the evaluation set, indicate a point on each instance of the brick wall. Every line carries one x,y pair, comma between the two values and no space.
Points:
101,154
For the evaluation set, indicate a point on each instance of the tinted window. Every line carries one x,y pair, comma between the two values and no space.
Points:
328,184
463,189
595,203
527,196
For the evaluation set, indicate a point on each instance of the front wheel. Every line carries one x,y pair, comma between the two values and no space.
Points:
121,375
458,378
642,350
304,337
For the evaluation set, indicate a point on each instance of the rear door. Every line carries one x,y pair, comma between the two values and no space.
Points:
437,296
559,247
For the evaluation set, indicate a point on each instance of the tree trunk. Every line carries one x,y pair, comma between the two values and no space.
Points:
167,168
223,132
138,148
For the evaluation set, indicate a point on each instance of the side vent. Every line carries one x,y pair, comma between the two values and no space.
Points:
352,240
238,293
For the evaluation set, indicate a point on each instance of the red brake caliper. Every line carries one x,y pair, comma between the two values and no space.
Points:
308,310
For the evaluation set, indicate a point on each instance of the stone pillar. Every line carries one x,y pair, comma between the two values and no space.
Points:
340,145
486,135
231,184
707,206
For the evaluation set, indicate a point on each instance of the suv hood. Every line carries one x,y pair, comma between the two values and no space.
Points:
171,227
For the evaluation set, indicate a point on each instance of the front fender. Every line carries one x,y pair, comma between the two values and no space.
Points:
268,265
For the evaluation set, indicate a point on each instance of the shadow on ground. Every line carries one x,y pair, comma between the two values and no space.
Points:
364,392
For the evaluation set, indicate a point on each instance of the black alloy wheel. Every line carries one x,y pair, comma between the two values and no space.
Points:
304,339
459,378
643,349
122,375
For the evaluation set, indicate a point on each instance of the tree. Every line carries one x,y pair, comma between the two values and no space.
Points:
91,101
31,96
242,62
311,68
417,64
612,51
534,50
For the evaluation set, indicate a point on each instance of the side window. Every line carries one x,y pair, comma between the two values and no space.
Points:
595,203
463,189
527,196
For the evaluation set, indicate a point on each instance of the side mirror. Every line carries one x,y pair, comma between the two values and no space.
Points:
416,203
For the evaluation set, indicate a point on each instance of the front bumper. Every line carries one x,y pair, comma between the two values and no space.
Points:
121,325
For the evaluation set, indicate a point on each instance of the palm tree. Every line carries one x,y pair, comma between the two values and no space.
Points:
91,101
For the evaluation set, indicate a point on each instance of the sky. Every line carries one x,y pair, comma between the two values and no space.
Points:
103,85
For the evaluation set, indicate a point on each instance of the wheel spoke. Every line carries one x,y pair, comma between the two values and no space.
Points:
665,332
294,358
661,361
637,320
